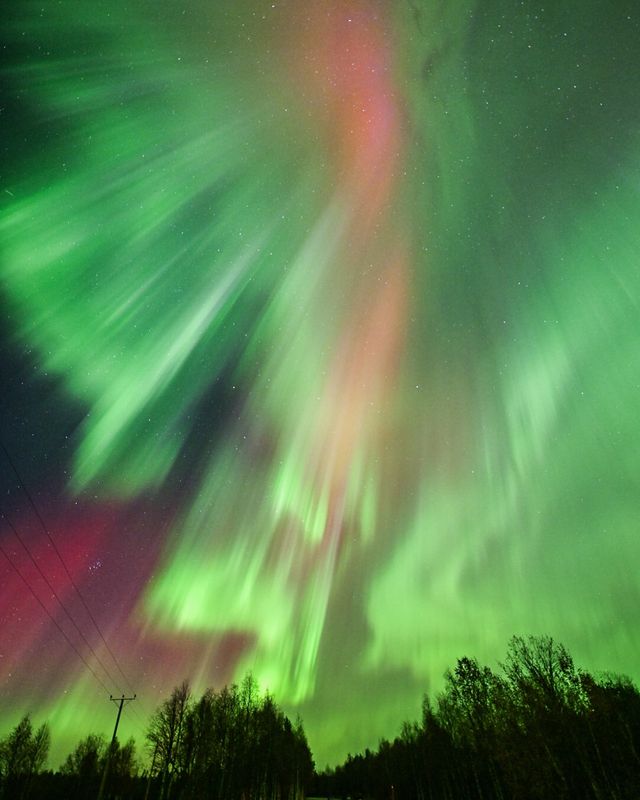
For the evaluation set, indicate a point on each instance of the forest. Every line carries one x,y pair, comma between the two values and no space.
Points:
537,729
226,745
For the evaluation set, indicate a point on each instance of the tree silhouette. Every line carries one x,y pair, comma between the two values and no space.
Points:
541,730
166,734
23,754
85,760
229,744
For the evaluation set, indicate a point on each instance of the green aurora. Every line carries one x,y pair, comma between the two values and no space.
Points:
341,305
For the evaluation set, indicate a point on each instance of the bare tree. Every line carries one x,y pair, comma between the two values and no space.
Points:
22,755
166,735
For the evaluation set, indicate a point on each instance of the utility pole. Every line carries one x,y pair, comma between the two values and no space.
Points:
120,701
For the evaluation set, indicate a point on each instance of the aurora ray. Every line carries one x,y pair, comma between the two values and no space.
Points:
337,306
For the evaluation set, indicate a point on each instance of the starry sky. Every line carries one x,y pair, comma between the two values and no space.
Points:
320,350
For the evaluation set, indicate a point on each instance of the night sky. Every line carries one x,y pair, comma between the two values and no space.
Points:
320,350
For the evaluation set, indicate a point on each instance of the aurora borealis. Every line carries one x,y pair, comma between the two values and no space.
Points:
320,349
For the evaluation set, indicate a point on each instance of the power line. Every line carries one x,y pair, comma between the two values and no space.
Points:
121,702
62,561
55,594
137,720
53,619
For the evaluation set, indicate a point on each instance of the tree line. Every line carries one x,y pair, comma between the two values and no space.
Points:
539,730
232,744
229,745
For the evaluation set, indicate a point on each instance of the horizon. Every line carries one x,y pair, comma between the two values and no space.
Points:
142,751
320,352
